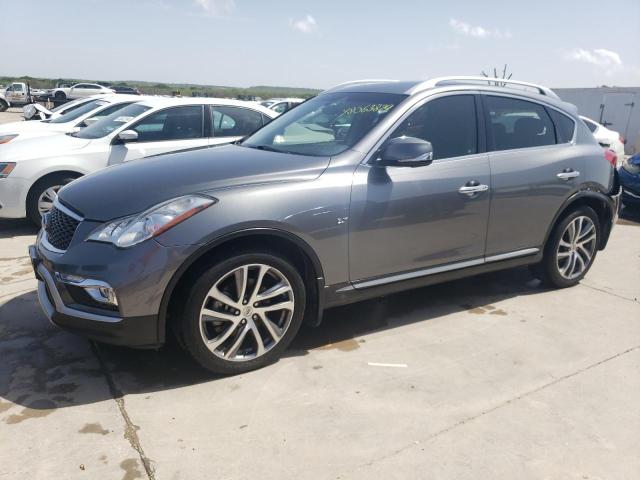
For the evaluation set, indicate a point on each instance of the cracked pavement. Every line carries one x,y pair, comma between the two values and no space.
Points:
488,377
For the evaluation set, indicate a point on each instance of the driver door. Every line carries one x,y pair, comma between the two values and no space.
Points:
412,219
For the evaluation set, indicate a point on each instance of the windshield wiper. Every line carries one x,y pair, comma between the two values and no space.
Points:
266,148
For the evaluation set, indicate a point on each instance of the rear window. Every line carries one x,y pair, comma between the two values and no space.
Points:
518,123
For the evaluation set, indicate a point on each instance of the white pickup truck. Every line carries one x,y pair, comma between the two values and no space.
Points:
18,94
80,90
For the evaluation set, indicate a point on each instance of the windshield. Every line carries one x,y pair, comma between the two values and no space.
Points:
78,112
67,107
110,123
326,125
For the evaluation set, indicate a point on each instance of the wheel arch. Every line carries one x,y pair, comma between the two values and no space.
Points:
599,202
280,241
70,173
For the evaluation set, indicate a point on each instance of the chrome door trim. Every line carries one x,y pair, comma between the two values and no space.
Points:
514,254
443,268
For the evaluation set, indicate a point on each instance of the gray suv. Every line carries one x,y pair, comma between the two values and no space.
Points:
371,187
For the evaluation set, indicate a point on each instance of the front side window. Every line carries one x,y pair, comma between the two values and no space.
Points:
79,111
112,122
518,123
326,125
449,123
176,123
234,121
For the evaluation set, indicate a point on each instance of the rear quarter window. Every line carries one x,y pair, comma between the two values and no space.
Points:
564,126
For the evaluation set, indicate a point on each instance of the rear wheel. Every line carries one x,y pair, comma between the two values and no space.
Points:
243,312
571,249
43,194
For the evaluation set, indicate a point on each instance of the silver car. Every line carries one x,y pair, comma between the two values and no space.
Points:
372,187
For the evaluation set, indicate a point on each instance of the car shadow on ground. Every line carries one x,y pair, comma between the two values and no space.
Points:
18,227
44,368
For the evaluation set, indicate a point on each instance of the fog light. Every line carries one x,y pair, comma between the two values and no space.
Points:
102,294
99,291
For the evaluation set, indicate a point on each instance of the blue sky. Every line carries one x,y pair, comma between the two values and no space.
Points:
310,43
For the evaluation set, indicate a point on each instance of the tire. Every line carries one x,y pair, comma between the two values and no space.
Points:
234,330
3,106
60,96
54,182
565,264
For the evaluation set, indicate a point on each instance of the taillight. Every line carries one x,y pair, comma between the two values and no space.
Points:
611,157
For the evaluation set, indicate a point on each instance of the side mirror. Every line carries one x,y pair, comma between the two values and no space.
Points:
405,152
128,136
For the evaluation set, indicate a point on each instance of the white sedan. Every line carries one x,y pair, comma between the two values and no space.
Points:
86,112
607,138
80,90
32,171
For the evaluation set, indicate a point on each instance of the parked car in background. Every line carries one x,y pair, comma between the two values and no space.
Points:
126,90
281,105
629,174
87,112
80,90
36,168
395,185
18,94
606,138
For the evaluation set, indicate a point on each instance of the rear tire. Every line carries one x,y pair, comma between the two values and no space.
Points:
42,193
234,319
570,250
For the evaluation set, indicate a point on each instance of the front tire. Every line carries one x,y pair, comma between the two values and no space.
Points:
42,195
571,249
60,96
3,106
243,312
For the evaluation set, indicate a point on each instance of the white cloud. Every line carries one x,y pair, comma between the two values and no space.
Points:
464,28
599,56
305,25
216,7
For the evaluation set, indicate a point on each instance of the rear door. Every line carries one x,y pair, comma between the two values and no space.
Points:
230,123
168,130
407,220
534,168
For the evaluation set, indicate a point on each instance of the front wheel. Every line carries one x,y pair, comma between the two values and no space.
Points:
243,312
571,249
42,195
60,96
3,106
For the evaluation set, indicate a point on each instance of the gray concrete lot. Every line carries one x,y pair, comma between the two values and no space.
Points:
490,377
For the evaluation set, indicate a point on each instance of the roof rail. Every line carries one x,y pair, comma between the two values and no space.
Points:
500,82
362,82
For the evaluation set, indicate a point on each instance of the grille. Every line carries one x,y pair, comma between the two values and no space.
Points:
60,229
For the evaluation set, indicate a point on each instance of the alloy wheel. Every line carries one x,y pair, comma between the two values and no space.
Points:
246,312
46,199
576,248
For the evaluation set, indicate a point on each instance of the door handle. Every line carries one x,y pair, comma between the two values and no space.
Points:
568,173
472,187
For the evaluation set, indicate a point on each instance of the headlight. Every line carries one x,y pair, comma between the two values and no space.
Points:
7,138
6,168
132,230
632,165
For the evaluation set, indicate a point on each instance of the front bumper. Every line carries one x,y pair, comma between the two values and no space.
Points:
139,276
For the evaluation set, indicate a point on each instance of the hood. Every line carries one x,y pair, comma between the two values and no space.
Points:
46,145
133,187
